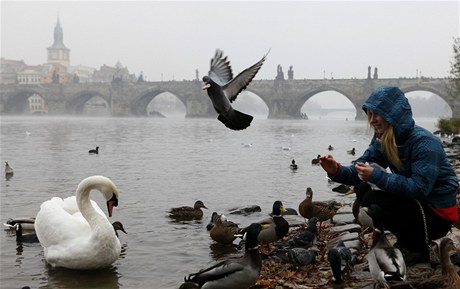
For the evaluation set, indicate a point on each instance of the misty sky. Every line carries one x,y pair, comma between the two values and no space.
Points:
171,39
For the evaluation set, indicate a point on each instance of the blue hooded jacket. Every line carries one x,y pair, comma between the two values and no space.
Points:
426,173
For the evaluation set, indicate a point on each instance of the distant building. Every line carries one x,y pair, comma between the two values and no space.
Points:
9,70
58,53
57,69
30,75
113,74
82,73
37,104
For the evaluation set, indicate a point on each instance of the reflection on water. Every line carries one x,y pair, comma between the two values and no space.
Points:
158,164
74,279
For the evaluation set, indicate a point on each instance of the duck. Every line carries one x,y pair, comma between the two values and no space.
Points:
305,238
187,212
316,161
277,228
8,170
91,243
223,231
351,152
343,189
234,273
293,165
27,223
322,210
448,279
118,226
94,151
330,148
386,262
341,261
24,238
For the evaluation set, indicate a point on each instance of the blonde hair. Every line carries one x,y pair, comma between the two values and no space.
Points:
388,142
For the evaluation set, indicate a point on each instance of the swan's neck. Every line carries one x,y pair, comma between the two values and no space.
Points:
85,206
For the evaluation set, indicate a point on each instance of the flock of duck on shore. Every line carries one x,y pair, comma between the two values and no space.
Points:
266,237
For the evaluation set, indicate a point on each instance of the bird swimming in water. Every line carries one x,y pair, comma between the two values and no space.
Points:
223,89
352,151
293,165
234,273
188,213
8,170
94,151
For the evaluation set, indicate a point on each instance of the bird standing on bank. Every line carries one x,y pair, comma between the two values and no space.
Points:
341,261
322,210
223,89
386,262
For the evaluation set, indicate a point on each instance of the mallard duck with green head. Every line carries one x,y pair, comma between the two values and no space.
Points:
277,228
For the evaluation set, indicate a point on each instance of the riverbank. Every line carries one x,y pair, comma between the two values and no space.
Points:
277,274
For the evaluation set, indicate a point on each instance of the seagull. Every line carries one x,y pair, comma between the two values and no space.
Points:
223,89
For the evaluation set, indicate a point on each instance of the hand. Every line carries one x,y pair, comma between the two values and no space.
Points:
364,171
329,164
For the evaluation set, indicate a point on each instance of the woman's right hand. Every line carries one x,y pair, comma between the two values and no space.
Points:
329,164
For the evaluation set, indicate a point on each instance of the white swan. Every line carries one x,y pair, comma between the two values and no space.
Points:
74,232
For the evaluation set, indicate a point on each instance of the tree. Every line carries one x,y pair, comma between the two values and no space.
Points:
454,79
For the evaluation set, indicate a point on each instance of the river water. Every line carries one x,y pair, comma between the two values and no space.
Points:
158,164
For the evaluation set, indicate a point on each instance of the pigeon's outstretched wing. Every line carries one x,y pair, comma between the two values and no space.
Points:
220,71
242,80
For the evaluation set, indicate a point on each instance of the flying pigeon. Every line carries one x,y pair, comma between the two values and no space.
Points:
223,89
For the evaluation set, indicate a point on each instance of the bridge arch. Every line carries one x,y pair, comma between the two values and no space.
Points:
297,106
76,103
139,106
18,102
250,101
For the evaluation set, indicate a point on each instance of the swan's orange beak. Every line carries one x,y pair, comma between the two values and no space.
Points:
113,202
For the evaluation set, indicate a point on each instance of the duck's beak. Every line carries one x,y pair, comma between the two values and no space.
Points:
282,209
206,86
113,202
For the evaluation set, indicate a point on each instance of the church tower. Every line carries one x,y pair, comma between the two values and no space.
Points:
58,53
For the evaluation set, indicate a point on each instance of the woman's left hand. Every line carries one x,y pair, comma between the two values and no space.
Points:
364,171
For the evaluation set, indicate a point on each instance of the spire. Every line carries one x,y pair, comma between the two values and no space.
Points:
58,37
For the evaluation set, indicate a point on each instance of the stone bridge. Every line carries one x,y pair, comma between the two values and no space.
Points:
284,98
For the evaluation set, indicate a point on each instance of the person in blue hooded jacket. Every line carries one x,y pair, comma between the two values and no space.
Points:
417,185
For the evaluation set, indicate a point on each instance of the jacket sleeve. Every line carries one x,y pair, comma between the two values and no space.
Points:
418,174
348,174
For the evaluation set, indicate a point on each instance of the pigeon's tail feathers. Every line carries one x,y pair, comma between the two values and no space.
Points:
236,120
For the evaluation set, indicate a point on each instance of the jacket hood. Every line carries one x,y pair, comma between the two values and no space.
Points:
393,106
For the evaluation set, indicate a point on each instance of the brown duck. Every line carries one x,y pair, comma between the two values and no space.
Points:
449,278
322,210
223,231
188,213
